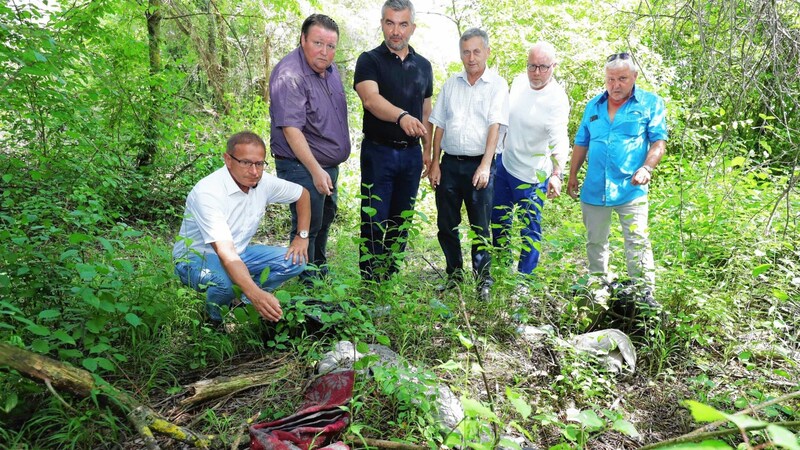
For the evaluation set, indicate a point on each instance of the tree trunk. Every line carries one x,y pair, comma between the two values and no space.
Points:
148,152
81,383
267,70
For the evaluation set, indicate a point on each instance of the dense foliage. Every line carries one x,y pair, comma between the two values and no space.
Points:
111,111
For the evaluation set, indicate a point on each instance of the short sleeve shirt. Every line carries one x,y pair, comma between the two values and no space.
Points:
616,150
316,105
218,210
466,112
404,83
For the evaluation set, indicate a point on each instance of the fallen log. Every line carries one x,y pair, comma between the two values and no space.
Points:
81,383
204,390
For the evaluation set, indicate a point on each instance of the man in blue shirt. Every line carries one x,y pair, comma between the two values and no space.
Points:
623,133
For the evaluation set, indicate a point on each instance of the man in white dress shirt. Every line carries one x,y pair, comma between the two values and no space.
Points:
223,212
470,114
536,150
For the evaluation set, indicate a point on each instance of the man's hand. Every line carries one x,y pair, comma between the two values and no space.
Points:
641,177
553,187
426,163
298,250
412,126
322,181
266,304
434,175
573,187
481,177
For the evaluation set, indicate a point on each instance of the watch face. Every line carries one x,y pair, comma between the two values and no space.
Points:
304,234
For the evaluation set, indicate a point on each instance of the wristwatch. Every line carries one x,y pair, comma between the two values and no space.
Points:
303,234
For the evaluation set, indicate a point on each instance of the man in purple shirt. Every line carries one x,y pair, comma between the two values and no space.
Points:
309,134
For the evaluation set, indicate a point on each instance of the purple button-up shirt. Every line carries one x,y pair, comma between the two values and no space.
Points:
301,98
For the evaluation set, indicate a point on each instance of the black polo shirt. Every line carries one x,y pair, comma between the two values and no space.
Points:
403,83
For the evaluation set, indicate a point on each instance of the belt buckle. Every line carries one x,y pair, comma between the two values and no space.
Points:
400,144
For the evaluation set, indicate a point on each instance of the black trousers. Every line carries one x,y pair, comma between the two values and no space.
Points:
455,188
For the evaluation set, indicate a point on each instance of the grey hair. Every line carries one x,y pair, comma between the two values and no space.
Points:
545,47
398,5
476,32
620,63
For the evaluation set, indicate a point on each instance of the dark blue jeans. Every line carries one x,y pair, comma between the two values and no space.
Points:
510,191
323,211
389,185
454,189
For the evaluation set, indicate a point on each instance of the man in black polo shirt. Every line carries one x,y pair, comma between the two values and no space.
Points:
395,85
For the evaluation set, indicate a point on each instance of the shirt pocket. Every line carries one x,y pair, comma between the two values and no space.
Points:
633,126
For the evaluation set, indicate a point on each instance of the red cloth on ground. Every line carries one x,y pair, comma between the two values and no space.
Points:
317,421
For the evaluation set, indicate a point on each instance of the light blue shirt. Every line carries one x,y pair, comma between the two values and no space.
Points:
617,150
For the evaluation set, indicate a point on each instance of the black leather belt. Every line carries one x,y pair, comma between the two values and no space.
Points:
283,158
400,145
464,157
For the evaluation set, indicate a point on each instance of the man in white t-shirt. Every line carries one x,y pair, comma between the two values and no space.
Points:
536,150
223,212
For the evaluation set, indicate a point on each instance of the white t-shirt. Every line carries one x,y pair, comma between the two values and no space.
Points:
466,112
217,210
537,130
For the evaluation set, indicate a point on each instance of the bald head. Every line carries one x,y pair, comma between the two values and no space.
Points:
541,62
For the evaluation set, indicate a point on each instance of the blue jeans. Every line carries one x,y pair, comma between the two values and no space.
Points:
510,191
205,273
389,185
454,190
323,211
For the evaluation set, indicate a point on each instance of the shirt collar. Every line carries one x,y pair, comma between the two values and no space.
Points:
231,188
487,73
604,98
384,49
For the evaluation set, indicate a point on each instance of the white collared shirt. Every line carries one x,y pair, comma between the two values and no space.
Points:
465,112
217,210
537,131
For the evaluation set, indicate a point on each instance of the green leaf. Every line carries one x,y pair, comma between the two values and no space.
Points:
522,407
738,161
78,238
106,364
362,347
38,330
40,346
96,325
782,437
450,365
64,337
133,319
704,413
474,408
465,341
89,364
11,402
589,420
49,314
758,270
99,348
69,353
625,427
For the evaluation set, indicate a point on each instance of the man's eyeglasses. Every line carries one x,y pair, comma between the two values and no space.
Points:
539,67
248,164
318,45
623,55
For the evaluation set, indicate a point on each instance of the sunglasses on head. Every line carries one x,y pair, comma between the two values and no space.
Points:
624,55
